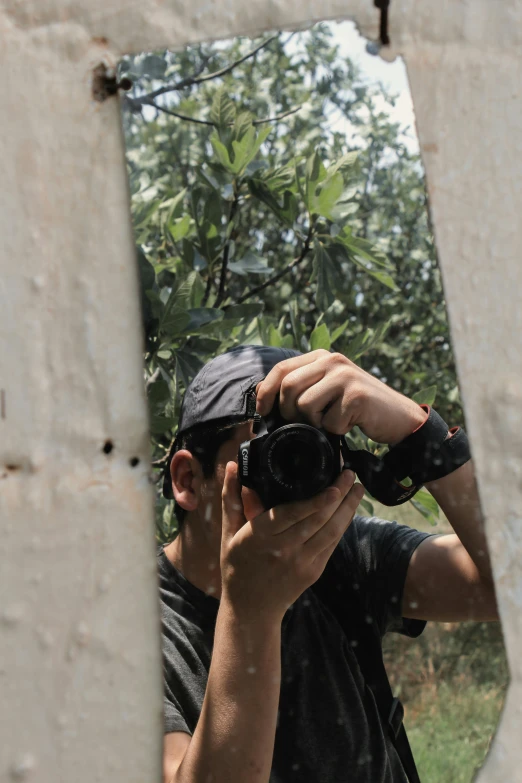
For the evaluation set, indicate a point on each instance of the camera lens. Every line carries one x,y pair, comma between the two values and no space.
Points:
300,459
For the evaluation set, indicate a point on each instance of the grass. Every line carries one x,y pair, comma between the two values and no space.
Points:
450,730
452,681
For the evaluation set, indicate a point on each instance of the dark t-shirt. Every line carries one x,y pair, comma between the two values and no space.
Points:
328,727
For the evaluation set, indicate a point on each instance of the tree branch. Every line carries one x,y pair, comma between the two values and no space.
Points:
226,250
275,278
189,81
185,117
208,288
180,116
277,116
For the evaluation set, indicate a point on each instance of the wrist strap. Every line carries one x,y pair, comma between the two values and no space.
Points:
428,454
425,455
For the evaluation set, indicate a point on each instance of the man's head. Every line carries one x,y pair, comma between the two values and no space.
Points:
215,419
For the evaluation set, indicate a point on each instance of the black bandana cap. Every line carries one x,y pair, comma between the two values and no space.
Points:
223,390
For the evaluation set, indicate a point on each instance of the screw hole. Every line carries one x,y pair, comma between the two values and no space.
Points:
134,462
108,447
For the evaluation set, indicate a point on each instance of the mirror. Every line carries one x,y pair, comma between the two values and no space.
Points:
278,198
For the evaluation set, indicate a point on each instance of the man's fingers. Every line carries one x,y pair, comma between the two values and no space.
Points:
252,504
233,513
283,518
295,384
330,534
316,397
268,389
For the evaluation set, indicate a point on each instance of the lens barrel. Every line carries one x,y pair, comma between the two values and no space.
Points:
299,459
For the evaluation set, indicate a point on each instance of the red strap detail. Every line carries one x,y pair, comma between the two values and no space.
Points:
427,409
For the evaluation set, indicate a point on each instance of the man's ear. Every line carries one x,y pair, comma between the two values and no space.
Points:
186,476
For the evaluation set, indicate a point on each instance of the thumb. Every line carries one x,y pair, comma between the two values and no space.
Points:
233,513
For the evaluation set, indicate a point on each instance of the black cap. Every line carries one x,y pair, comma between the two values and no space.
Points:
224,390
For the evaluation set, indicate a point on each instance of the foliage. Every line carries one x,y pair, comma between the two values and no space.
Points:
261,218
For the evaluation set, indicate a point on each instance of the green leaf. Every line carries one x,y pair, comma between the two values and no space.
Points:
343,209
320,338
201,316
339,331
295,321
327,196
174,321
212,211
315,173
223,111
221,152
180,228
364,255
325,272
279,178
366,341
161,424
242,124
187,366
153,66
368,507
188,291
425,396
174,205
347,161
250,264
158,394
286,212
240,312
426,505
274,338
244,151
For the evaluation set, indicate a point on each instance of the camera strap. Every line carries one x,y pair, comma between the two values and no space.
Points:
427,454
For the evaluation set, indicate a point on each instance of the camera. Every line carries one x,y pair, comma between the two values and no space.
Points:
288,462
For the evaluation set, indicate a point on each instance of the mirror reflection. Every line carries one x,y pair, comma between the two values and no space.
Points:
321,554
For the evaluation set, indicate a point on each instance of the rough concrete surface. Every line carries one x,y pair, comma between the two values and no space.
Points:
79,647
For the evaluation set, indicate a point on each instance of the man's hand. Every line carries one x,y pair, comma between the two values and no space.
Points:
329,391
268,561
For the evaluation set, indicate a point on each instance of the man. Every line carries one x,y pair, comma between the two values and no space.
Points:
261,683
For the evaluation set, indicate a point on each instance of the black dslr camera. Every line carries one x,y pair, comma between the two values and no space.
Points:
287,462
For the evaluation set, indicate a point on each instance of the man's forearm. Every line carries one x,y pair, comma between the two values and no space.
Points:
457,495
234,737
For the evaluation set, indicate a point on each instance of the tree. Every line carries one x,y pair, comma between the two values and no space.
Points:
258,219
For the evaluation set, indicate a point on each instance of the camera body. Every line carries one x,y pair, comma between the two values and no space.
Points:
288,462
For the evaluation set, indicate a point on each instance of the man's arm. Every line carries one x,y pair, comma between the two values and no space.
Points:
234,737
267,562
449,577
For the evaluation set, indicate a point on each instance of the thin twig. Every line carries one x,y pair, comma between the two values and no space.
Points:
275,278
180,116
277,116
226,251
208,288
160,463
153,378
189,81
185,117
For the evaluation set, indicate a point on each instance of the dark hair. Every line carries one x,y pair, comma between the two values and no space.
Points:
203,442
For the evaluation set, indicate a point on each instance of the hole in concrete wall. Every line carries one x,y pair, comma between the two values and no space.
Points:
247,233
108,446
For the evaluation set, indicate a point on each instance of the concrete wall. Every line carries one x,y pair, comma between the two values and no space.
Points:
79,648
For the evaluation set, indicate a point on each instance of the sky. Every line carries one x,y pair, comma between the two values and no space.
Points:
392,75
